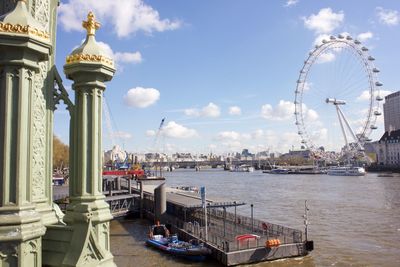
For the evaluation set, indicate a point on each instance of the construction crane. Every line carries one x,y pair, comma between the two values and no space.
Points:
157,138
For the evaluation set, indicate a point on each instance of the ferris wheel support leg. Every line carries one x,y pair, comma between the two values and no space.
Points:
350,130
339,113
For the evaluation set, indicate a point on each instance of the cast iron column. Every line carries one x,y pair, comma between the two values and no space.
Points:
23,44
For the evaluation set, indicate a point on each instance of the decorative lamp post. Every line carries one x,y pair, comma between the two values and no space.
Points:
89,67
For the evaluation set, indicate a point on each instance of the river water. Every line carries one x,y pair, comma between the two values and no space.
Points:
354,221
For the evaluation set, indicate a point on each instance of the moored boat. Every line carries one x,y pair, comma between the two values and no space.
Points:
242,168
160,238
346,171
279,171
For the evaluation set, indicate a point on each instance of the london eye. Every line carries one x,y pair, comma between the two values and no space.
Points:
337,98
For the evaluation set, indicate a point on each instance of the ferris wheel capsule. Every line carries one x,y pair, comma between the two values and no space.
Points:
364,49
371,58
377,113
378,84
357,42
340,36
374,127
348,37
379,98
375,70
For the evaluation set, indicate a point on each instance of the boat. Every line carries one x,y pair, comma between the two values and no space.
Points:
279,171
160,238
346,171
242,168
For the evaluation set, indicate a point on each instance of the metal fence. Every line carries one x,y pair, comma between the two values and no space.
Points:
224,228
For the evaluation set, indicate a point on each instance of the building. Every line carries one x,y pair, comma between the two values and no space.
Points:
387,149
391,111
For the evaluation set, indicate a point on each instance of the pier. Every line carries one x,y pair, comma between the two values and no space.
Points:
233,238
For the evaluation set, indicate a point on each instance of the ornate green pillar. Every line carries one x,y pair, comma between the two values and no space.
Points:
88,213
23,44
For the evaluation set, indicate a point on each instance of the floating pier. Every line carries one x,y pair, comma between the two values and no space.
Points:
233,239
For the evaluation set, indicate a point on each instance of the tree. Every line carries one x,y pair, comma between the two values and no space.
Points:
60,154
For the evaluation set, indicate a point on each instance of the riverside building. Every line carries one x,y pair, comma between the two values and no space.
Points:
388,147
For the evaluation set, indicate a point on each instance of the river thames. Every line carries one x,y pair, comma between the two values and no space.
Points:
354,221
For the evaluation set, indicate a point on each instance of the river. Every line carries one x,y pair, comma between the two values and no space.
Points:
354,221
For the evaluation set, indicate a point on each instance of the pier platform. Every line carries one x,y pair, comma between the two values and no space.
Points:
233,238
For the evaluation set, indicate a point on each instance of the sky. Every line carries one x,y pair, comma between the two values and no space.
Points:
223,73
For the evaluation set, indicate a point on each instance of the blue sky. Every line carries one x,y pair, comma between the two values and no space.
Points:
223,73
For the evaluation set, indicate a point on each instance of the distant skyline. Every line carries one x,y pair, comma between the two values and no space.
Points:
221,73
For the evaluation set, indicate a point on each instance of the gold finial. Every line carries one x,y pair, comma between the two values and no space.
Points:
91,25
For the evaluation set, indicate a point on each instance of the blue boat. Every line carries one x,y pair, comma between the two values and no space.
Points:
159,238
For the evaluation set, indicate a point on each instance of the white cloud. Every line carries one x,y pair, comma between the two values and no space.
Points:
211,110
141,97
128,57
388,16
325,21
365,95
365,36
121,57
122,135
283,111
235,110
326,57
229,135
290,3
257,134
150,133
192,112
175,130
311,115
307,86
126,16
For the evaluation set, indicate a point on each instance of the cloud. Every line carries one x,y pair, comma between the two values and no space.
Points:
283,111
229,135
211,110
122,135
326,57
325,21
192,112
121,57
365,36
365,95
125,16
290,3
150,133
175,130
307,86
235,110
257,134
127,57
388,16
141,97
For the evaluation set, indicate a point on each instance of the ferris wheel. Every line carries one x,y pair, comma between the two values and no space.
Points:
337,98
